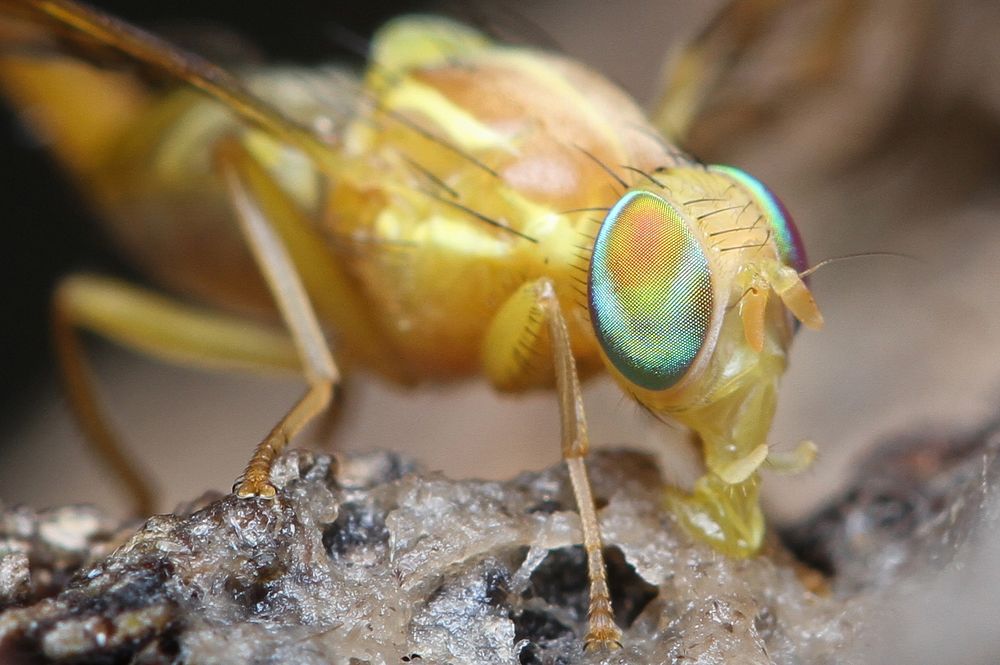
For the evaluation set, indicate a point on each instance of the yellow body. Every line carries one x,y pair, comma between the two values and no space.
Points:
461,171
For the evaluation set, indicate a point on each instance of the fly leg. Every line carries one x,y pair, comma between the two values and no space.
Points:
332,294
159,327
182,334
279,271
306,281
526,344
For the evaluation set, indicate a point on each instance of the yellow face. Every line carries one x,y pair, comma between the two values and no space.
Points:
672,269
679,293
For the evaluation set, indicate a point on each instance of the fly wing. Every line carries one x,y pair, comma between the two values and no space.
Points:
93,35
697,70
802,73
120,110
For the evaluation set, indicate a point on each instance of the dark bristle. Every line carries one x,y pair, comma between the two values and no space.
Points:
703,200
429,175
604,167
645,175
574,210
717,211
434,138
756,245
481,217
725,231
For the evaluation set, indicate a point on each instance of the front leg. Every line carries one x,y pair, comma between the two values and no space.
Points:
528,341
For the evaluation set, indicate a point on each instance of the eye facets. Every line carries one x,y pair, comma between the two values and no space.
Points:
786,235
651,299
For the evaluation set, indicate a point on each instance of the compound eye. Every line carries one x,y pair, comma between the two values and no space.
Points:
651,300
785,233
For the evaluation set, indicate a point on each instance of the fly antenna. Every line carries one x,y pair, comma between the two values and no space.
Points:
860,255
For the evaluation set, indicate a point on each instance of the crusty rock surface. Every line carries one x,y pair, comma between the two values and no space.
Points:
372,561
913,505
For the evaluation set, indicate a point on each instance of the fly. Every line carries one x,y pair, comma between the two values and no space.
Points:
464,207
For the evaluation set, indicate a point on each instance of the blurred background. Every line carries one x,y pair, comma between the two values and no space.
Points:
884,138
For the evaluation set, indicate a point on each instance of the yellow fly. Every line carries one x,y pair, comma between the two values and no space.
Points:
465,207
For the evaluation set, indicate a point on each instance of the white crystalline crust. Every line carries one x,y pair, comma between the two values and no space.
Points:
374,562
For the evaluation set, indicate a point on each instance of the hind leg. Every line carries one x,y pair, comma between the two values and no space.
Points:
157,326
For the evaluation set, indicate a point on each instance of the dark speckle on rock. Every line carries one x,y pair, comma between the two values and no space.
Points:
358,525
913,502
372,561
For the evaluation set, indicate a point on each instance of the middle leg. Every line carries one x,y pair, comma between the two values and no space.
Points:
296,311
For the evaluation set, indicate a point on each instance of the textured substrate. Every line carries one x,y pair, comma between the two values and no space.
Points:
371,561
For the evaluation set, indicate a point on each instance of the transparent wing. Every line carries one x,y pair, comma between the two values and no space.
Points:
805,73
94,35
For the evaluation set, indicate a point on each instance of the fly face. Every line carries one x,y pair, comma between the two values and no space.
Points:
680,282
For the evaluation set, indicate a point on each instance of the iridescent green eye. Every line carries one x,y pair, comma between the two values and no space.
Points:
786,235
650,291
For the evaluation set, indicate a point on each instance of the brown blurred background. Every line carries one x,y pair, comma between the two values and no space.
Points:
896,148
